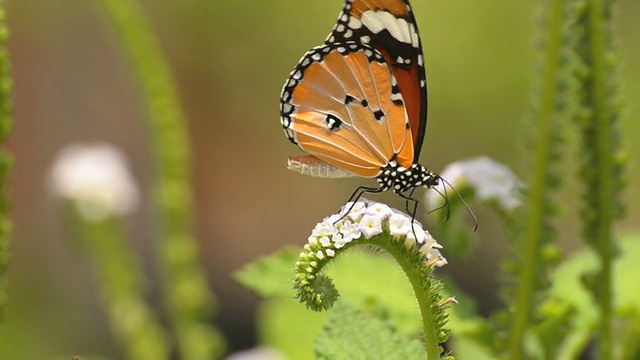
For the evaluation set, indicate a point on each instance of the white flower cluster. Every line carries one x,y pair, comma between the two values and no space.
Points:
95,177
491,181
367,219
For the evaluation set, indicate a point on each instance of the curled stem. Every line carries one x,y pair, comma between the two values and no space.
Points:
363,226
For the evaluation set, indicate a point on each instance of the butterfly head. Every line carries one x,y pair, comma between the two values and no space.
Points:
401,179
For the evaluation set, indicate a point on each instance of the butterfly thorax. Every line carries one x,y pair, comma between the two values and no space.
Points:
401,179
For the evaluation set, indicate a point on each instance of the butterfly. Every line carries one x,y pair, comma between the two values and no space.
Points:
358,103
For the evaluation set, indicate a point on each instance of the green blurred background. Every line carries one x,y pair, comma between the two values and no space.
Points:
230,59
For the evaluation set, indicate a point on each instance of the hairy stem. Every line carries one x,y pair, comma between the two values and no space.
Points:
601,169
135,324
421,281
552,103
190,303
6,161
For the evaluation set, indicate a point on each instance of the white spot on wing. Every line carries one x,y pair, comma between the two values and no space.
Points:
377,21
354,23
400,29
415,40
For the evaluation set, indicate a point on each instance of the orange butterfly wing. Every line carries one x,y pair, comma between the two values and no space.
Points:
342,105
389,26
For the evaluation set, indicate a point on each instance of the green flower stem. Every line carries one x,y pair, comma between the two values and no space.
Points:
548,107
189,301
421,278
603,180
135,325
6,161
318,292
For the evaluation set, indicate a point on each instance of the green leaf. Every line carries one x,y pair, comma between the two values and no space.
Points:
368,280
567,286
286,325
350,334
374,283
270,276
468,348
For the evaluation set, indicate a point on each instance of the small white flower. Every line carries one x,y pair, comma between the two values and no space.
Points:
399,225
490,180
320,255
340,241
433,256
96,178
370,225
380,210
350,231
355,210
330,252
324,241
333,220
418,231
324,229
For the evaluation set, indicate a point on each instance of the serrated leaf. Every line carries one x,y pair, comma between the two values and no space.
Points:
270,276
350,334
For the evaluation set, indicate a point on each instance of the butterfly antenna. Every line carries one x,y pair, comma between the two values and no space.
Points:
473,216
446,203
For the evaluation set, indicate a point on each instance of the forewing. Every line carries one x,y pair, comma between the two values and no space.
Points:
389,26
342,105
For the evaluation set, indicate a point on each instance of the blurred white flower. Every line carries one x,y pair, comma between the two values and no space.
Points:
96,178
260,353
490,181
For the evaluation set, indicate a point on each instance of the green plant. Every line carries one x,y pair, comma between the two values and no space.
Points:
548,313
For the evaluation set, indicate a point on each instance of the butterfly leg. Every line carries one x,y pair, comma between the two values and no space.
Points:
412,211
361,190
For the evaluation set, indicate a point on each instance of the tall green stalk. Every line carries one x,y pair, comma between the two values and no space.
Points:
603,159
6,161
134,323
552,106
189,301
